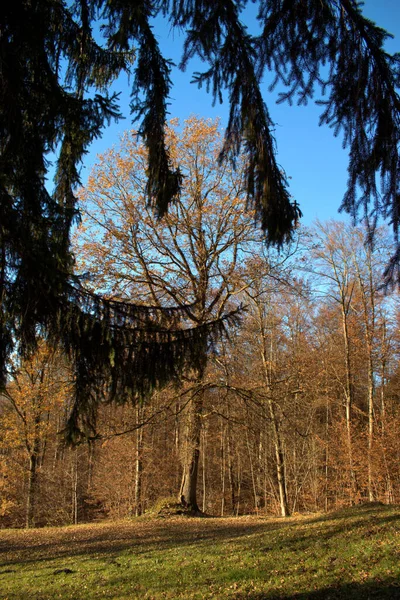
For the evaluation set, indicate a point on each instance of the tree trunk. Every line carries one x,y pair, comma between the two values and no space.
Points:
188,491
371,391
75,483
231,472
253,480
348,405
368,301
31,496
33,453
280,462
326,486
384,351
138,475
267,359
204,470
139,463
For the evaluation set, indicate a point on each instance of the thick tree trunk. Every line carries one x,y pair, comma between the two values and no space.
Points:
188,491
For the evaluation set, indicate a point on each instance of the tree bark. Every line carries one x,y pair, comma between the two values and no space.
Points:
231,472
188,491
222,446
31,496
266,354
204,463
348,404
75,491
367,289
33,451
280,461
139,463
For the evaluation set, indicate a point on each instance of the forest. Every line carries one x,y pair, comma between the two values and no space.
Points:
295,407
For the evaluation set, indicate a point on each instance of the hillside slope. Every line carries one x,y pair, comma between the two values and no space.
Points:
354,553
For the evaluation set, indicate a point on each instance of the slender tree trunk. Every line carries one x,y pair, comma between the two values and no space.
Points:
91,462
267,356
388,478
280,461
231,472
253,479
265,470
138,484
139,462
75,484
222,470
327,455
368,302
278,449
348,406
177,439
138,474
239,485
276,434
371,389
204,462
31,496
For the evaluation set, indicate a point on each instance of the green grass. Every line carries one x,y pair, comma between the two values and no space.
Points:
350,554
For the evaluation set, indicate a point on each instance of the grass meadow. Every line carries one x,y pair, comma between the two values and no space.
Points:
351,554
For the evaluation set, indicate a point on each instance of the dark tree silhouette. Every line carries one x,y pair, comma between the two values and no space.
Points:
54,80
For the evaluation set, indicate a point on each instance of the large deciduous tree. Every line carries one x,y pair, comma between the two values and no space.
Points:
55,72
189,259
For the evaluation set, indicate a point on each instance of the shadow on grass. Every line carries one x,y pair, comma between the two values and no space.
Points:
110,540
366,509
143,537
348,591
365,520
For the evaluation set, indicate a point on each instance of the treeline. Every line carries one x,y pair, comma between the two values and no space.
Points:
299,407
296,408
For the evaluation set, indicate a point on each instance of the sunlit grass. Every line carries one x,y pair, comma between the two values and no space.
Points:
351,554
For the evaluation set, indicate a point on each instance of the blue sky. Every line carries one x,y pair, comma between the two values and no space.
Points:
311,156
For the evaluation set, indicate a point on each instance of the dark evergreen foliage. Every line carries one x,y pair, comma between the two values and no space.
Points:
123,352
54,80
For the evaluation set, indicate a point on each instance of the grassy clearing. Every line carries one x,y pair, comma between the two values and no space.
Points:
352,554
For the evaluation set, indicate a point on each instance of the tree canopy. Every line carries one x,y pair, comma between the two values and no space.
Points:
58,60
